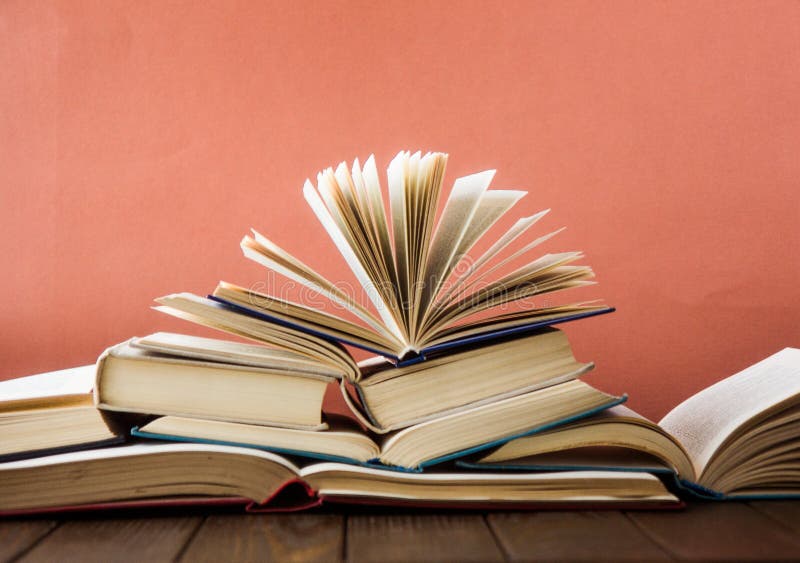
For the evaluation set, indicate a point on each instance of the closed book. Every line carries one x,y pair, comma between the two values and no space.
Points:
52,412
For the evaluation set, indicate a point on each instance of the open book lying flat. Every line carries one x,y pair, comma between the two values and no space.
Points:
739,438
197,473
426,291
173,374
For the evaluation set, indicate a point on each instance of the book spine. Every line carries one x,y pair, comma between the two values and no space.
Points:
360,411
294,326
292,496
513,332
63,449
410,360
98,376
697,491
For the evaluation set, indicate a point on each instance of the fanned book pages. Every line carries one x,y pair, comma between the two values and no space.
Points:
157,475
425,291
739,438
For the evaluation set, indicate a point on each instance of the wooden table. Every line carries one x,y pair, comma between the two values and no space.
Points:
721,531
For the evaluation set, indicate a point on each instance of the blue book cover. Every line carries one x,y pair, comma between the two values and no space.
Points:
684,487
451,345
376,463
15,456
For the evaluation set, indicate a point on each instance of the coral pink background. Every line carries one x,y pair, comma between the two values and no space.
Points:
140,140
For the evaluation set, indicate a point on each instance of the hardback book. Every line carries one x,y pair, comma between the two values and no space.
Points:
739,438
413,448
430,284
51,412
173,374
263,386
185,474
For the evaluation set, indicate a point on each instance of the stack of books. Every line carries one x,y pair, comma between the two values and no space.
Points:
473,399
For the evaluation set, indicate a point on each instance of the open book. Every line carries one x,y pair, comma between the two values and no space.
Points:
739,438
425,290
413,448
159,474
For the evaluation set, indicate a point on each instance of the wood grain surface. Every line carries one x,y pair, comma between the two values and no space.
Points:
120,539
424,537
578,535
722,530
763,530
18,537
268,537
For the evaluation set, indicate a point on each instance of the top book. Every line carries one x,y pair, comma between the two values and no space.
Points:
427,292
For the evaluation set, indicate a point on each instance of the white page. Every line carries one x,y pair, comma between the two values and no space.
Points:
323,215
511,235
143,449
704,421
72,381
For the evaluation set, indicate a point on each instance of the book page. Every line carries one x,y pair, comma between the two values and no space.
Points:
548,273
146,449
372,185
704,421
356,265
333,479
265,252
209,313
479,280
456,218
142,471
301,315
65,382
344,441
491,206
210,349
397,173
340,195
585,458
618,431
485,424
517,230
366,189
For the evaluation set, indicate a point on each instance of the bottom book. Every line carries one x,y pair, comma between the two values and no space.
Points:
159,475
